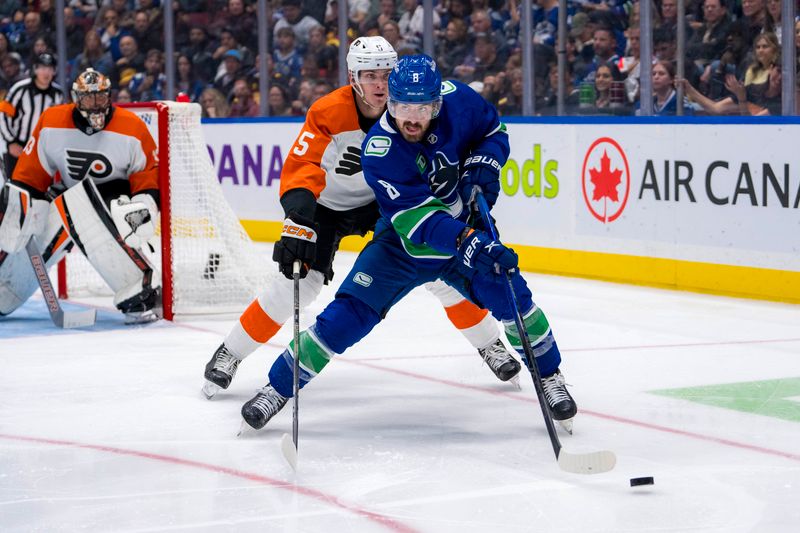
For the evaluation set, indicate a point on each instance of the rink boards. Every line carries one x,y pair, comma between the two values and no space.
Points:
710,206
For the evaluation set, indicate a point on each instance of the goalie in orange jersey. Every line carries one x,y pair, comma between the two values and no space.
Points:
87,177
325,198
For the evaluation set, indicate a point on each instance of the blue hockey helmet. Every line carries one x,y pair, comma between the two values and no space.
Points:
415,88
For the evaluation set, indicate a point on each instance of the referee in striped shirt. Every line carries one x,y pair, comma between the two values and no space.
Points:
28,98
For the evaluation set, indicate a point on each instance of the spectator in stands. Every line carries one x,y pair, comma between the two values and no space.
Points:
760,94
481,62
299,22
47,14
185,80
75,33
411,22
198,52
669,19
357,12
604,44
94,57
665,97
387,10
111,33
753,20
453,48
150,84
734,61
227,41
391,32
510,99
154,15
545,22
123,96
305,95
131,60
773,23
148,36
605,75
279,102
664,44
322,88
213,104
325,54
4,47
708,42
243,103
12,72
548,105
232,61
85,9
240,21
22,42
8,7
41,45
287,60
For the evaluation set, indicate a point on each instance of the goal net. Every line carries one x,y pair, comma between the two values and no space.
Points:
208,263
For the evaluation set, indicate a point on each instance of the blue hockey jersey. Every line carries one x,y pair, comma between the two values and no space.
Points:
417,184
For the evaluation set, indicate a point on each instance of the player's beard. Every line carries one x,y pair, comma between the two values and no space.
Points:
416,133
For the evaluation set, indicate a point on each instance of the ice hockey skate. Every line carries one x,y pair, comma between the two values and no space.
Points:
562,406
261,408
219,371
501,362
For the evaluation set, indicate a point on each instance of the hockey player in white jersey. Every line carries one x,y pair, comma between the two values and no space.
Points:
87,177
325,198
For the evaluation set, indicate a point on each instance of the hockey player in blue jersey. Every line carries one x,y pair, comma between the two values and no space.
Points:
435,144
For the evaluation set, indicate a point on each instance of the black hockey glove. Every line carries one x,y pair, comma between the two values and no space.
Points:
478,251
298,242
482,171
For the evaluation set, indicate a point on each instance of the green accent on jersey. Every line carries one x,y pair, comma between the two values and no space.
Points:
406,222
448,87
313,356
777,398
422,163
503,127
536,325
378,146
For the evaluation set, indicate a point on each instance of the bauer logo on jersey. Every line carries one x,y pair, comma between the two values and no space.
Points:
363,279
378,146
92,164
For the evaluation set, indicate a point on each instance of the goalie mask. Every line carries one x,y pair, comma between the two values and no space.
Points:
91,93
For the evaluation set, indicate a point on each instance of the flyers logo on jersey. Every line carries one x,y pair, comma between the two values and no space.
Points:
92,164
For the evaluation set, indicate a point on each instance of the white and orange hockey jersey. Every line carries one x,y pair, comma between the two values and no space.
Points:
124,150
326,157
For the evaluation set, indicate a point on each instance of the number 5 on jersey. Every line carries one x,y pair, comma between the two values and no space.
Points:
301,147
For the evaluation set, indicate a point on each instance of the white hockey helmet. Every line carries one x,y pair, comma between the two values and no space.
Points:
369,53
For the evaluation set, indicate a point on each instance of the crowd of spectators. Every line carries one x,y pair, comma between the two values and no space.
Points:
732,50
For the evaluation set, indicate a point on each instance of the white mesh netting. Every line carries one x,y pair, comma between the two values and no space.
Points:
215,266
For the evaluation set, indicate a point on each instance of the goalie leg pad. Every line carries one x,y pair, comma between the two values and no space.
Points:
273,307
125,269
17,279
21,216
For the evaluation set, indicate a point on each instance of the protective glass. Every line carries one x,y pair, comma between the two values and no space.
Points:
407,111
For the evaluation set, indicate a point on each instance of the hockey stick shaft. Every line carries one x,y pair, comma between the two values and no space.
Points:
296,362
62,319
530,359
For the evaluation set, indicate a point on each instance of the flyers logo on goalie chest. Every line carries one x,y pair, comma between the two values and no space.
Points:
81,164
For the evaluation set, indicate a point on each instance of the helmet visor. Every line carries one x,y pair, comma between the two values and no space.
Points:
414,111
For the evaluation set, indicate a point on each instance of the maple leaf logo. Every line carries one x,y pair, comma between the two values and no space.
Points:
605,180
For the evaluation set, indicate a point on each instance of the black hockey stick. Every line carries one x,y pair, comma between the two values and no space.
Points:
587,463
290,447
61,318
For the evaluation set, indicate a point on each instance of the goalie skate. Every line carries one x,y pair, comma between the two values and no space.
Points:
501,362
562,406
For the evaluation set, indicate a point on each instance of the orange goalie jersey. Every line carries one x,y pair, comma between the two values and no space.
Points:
326,157
123,150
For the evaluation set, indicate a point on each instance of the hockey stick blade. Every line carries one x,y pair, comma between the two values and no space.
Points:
587,463
62,319
289,451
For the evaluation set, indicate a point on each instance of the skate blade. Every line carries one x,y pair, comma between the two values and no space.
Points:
245,429
210,389
134,319
566,424
515,382
289,451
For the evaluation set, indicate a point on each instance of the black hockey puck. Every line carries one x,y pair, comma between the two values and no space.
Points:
639,481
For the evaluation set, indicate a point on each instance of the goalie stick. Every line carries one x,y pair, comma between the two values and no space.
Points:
576,463
62,319
289,445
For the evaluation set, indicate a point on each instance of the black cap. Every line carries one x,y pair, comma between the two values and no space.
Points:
45,59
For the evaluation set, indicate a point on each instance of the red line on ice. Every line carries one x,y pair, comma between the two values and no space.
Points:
521,398
382,520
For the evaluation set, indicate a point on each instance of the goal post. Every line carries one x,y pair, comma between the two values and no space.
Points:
209,265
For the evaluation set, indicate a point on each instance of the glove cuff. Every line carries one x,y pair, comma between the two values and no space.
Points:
299,227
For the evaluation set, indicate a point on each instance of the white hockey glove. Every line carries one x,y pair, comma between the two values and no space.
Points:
135,218
21,217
